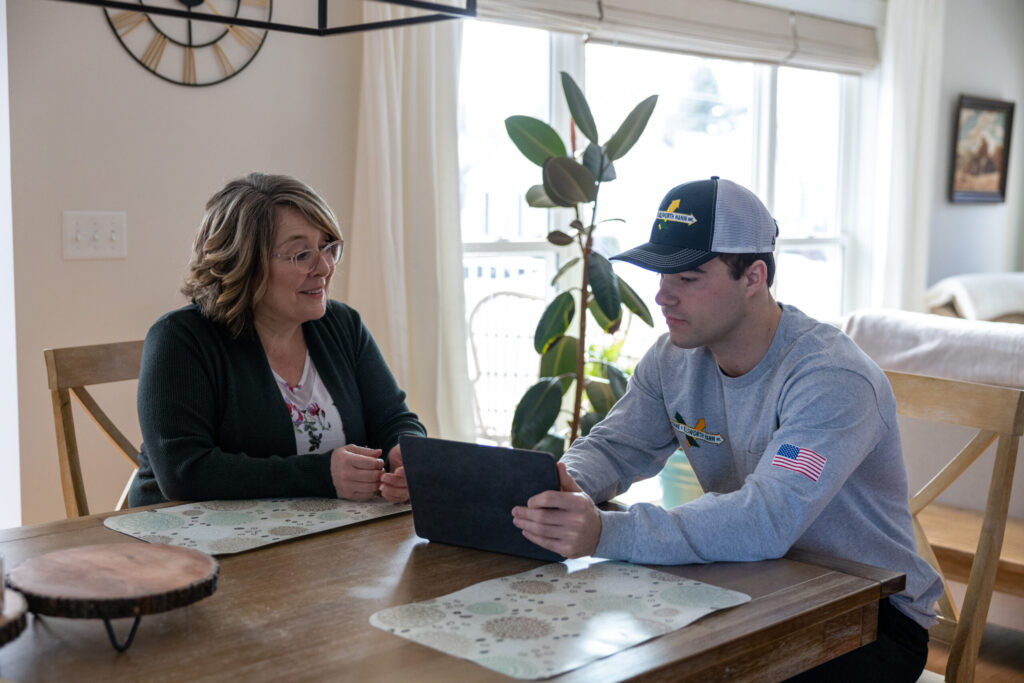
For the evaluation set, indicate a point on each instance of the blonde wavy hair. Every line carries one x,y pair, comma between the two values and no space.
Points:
227,275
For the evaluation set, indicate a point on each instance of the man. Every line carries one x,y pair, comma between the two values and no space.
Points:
789,427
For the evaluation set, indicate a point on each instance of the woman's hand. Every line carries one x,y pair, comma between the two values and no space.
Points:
392,484
356,471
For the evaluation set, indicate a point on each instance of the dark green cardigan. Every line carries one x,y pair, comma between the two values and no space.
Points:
214,424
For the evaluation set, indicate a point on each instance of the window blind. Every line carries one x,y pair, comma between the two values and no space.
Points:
728,29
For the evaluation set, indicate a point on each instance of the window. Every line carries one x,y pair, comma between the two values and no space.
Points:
779,131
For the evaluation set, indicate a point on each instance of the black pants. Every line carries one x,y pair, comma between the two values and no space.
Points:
899,654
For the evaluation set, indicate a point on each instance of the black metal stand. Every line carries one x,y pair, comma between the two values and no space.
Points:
131,634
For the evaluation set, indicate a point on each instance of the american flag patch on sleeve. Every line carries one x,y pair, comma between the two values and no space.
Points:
802,460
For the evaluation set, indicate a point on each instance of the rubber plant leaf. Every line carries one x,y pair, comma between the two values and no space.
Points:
604,285
554,321
536,412
588,421
609,326
565,267
552,443
630,130
579,108
535,139
568,182
560,360
600,394
617,380
594,159
559,238
538,198
634,302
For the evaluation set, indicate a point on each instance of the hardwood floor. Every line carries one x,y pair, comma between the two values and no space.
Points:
1000,659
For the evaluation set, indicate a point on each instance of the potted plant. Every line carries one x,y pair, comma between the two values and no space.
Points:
566,362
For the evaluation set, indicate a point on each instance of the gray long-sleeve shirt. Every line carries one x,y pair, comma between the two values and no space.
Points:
801,452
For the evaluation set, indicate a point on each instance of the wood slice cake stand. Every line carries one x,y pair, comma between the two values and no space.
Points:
113,581
12,617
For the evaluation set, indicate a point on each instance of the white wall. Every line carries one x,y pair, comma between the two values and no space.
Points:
10,489
984,57
92,130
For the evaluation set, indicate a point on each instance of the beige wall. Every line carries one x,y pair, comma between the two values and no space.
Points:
91,130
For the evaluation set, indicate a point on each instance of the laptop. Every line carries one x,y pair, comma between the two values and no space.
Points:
463,493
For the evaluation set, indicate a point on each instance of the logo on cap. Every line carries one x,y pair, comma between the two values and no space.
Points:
669,214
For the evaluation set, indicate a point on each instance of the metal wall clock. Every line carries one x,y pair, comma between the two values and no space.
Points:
192,52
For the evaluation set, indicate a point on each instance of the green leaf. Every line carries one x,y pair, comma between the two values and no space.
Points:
604,285
588,421
565,266
579,108
534,138
594,159
568,182
553,443
617,380
538,198
634,302
554,322
630,130
560,359
600,393
609,326
559,238
536,412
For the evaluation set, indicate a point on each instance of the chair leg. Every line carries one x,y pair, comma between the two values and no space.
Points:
963,652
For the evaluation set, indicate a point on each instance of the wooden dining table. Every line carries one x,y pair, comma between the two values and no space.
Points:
300,610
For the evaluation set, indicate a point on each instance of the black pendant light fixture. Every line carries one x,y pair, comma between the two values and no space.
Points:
437,12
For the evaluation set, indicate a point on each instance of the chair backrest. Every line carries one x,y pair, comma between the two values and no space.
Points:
69,371
501,328
997,413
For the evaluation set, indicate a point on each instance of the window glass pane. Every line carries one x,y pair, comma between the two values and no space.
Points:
494,174
811,278
807,153
703,125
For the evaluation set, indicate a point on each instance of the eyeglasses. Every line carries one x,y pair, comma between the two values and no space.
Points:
308,259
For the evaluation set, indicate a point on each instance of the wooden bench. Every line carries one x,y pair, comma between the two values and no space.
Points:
953,533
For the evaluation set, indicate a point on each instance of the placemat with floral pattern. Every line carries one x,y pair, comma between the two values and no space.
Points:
221,527
553,619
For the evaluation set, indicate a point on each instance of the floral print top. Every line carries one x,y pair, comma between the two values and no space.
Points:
316,421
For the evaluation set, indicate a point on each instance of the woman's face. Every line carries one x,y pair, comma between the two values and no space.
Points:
293,295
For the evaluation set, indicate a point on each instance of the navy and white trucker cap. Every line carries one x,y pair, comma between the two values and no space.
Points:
701,219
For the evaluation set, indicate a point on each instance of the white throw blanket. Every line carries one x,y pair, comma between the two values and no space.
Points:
941,346
979,296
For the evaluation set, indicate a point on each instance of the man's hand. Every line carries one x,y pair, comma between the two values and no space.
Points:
566,521
392,484
356,471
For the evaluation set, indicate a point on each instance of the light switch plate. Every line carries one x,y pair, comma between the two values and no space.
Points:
95,235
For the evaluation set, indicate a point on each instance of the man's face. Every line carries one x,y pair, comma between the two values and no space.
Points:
703,306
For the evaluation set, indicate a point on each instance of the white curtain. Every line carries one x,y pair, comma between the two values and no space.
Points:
911,71
405,269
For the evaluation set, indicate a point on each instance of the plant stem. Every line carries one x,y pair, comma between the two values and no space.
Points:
581,342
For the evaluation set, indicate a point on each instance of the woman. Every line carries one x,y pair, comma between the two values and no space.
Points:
262,387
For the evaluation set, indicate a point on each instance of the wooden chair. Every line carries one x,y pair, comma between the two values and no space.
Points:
69,371
998,415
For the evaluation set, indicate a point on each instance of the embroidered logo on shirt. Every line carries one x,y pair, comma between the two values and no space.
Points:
802,460
695,432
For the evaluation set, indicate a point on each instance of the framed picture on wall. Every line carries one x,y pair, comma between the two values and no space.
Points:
981,150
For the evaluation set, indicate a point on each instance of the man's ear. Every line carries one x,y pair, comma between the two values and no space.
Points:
756,276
